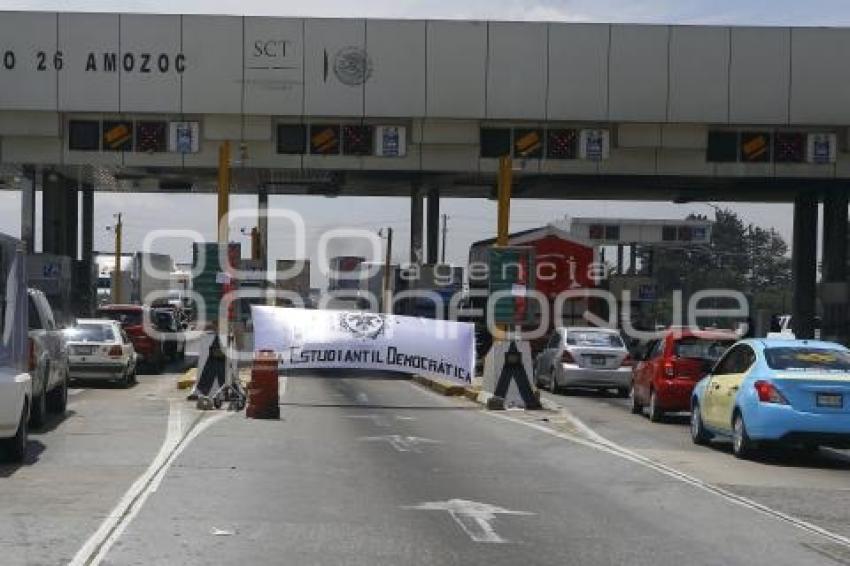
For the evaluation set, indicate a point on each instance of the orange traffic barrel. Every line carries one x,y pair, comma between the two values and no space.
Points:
263,387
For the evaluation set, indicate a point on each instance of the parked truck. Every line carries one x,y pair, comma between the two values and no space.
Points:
145,279
105,268
293,278
151,278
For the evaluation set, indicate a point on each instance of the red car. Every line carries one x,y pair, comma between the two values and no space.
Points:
666,374
150,350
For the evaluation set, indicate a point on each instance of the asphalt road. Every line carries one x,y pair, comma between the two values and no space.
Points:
367,469
78,467
373,470
813,487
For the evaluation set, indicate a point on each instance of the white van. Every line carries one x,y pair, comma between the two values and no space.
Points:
15,386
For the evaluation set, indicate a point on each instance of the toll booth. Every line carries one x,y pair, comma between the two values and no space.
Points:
54,276
213,268
253,280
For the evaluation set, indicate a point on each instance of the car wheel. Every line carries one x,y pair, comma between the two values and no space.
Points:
553,381
623,392
698,433
16,447
655,413
132,372
636,407
126,379
742,446
38,416
57,398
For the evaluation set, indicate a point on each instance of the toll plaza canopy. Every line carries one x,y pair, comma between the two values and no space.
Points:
141,101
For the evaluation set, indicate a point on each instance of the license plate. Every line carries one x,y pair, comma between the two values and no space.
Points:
831,400
597,360
84,350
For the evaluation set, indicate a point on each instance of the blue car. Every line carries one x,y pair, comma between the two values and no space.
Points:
766,391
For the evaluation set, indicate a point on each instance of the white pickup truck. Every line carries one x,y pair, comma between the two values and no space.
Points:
48,360
15,386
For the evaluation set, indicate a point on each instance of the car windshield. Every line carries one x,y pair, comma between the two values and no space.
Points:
126,318
91,333
593,338
807,359
695,347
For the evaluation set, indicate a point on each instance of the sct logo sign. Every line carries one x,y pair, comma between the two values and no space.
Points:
271,48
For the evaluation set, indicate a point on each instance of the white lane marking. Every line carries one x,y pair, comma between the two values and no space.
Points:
473,517
616,450
377,420
176,441
362,398
401,443
74,391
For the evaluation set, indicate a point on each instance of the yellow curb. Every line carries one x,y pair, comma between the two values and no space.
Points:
443,387
471,393
188,379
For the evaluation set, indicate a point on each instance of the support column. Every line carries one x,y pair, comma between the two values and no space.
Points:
619,259
87,272
433,226
71,219
59,213
416,251
88,225
28,209
633,259
52,203
263,225
834,292
804,264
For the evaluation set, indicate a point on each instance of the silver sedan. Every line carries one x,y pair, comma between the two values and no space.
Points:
584,357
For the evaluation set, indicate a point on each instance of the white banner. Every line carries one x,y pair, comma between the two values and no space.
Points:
306,338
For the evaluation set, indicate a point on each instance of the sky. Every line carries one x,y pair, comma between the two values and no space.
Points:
469,219
744,12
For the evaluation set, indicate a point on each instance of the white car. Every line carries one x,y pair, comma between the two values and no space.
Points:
15,395
585,357
100,349
15,382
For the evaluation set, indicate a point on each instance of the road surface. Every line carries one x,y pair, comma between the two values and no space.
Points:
372,470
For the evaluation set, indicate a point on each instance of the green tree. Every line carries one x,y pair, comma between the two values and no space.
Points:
740,256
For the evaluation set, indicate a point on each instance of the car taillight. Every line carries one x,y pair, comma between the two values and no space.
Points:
627,361
669,368
31,363
567,358
768,393
115,352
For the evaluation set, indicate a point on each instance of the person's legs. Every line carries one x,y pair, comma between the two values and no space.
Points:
214,372
212,369
221,368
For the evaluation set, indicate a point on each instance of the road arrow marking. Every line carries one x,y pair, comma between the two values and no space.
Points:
473,517
381,420
401,443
